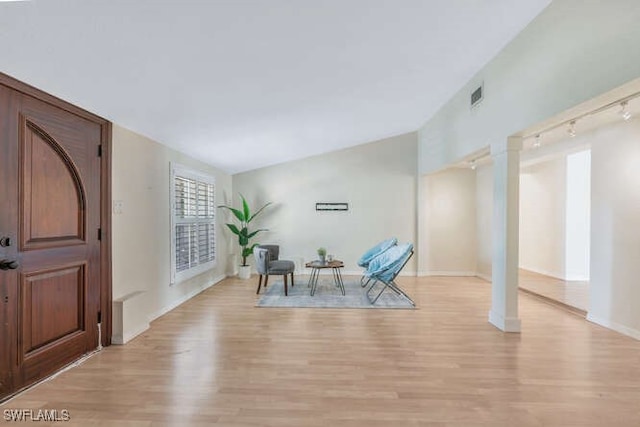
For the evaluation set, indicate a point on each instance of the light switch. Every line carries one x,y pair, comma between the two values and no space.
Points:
117,207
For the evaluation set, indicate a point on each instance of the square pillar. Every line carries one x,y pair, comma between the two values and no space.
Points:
506,201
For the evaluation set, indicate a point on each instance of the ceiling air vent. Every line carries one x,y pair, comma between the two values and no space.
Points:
477,96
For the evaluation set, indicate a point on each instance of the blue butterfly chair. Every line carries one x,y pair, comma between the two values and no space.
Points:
374,252
384,269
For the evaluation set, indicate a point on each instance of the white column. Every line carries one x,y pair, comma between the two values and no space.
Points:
506,200
423,230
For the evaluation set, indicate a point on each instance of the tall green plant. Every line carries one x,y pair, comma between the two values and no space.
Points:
244,217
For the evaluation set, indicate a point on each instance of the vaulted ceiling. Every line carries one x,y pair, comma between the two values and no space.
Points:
242,84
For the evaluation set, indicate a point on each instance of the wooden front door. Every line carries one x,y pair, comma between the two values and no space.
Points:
50,249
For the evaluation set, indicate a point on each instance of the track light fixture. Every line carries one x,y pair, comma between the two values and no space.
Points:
624,113
570,124
572,128
473,165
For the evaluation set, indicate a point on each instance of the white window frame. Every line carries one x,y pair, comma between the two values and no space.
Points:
178,170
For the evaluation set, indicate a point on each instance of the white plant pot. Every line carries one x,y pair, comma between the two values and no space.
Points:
244,272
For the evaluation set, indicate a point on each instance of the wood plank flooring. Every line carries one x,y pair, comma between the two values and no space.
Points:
218,360
571,293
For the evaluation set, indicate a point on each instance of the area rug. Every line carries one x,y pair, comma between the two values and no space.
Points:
328,295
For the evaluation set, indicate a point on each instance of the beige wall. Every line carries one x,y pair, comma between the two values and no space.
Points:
448,223
615,227
378,180
542,217
141,233
484,211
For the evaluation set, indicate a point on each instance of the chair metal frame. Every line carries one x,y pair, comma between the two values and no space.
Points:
390,284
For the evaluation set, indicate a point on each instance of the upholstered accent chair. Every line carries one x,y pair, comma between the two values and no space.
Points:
268,264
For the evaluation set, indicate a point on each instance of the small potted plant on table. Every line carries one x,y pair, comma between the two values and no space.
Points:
322,253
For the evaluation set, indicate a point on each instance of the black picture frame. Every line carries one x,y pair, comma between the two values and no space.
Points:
326,206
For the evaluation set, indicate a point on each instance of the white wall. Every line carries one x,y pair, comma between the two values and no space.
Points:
615,227
448,223
555,197
573,51
543,198
484,212
378,180
141,233
578,219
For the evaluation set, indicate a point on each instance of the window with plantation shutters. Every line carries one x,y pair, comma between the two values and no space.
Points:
192,223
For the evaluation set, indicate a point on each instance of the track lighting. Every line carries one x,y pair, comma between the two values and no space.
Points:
624,113
570,124
473,165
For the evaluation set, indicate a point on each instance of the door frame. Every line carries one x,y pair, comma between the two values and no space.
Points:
105,192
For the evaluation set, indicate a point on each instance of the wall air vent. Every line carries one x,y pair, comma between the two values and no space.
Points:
477,96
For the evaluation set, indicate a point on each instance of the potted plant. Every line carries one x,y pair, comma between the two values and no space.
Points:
241,230
322,253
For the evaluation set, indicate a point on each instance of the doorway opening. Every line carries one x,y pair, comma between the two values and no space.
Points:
555,215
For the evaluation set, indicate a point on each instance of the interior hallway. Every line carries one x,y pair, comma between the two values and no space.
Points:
218,359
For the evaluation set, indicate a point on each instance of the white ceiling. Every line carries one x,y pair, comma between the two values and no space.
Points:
248,83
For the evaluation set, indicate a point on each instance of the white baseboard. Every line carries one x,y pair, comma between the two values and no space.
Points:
553,274
505,324
557,275
447,273
344,272
185,298
129,335
486,277
359,273
571,278
625,330
408,274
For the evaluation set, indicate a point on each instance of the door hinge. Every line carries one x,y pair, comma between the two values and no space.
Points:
99,317
100,150
99,233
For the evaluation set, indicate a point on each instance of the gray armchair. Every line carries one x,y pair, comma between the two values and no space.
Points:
267,263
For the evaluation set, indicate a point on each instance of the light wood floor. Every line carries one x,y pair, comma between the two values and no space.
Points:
571,293
219,360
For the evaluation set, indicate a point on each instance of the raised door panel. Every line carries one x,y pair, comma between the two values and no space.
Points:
52,320
53,307
53,201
